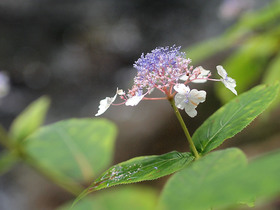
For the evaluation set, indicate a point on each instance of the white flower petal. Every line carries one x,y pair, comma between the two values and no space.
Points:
228,81
197,97
190,101
184,78
106,103
202,77
221,71
182,89
180,101
133,101
191,112
230,84
120,92
199,75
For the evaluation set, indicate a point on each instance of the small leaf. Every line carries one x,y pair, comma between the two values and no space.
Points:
7,161
126,197
77,149
30,119
140,169
233,117
199,186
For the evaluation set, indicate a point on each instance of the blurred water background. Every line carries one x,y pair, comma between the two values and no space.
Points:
78,52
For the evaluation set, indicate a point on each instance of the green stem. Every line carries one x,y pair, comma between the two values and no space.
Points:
183,125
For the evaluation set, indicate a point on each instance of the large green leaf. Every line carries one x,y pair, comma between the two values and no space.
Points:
220,179
199,186
233,117
261,179
123,198
140,169
78,149
30,119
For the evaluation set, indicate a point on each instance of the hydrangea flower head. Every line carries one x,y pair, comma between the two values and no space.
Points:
164,69
161,69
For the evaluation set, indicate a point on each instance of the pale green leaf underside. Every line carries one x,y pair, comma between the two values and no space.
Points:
77,148
30,119
206,184
140,169
233,117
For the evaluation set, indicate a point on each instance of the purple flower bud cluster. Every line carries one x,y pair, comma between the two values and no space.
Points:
160,69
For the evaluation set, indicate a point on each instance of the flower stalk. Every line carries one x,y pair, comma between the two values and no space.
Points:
184,127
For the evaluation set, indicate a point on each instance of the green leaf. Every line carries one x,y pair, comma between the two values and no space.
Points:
261,179
76,149
140,169
221,179
30,119
7,161
136,198
233,117
203,183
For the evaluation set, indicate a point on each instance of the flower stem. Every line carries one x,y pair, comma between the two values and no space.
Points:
183,125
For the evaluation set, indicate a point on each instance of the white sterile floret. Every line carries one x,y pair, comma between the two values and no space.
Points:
133,101
106,103
188,99
199,75
120,92
228,81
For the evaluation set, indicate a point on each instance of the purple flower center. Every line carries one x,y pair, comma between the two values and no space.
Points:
160,68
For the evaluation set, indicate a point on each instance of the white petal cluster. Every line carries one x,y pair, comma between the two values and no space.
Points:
188,99
199,75
106,103
228,81
133,101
